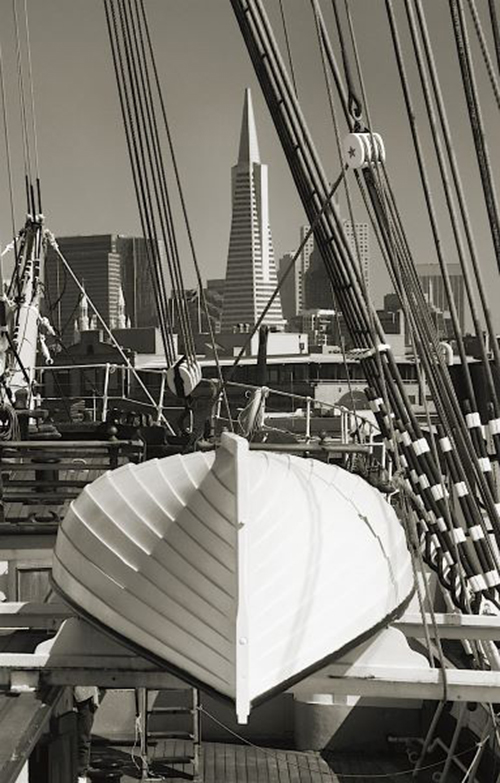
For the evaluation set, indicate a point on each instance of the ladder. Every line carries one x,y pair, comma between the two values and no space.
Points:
170,723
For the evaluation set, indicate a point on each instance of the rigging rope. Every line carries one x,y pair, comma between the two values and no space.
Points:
311,183
22,104
484,51
54,244
185,212
32,94
158,179
288,47
7,151
389,247
353,102
475,117
357,120
429,199
471,245
141,184
410,111
495,30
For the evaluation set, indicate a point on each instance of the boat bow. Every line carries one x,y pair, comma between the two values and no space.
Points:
240,569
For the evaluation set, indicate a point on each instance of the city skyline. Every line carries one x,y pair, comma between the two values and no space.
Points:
85,173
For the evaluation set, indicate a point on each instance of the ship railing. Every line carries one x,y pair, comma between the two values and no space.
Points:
101,401
354,427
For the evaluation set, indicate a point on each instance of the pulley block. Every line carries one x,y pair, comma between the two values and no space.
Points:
363,149
184,376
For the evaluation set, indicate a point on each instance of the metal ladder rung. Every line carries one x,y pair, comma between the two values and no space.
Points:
151,737
180,735
171,711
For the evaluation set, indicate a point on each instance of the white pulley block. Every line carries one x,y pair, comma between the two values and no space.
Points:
363,149
183,377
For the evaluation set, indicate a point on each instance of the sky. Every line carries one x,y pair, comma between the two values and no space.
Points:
204,69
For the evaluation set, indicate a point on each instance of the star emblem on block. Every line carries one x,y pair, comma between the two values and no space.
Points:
351,152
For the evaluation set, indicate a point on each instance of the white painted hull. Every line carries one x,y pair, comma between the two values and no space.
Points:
241,569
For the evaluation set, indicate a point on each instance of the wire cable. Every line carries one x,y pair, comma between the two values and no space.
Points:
475,118
331,773
22,104
184,206
495,30
288,46
484,51
106,328
32,92
151,243
145,109
7,148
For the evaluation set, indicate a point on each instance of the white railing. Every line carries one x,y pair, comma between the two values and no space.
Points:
352,424
102,401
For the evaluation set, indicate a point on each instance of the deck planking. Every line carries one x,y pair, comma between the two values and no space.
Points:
231,763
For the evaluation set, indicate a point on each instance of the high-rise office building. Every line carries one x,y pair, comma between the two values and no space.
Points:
434,290
360,246
302,265
137,285
288,290
113,268
317,287
251,273
317,292
292,290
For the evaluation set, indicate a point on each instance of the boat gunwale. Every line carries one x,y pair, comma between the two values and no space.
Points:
210,690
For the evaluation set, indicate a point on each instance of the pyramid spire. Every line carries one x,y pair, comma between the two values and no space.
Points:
251,272
249,146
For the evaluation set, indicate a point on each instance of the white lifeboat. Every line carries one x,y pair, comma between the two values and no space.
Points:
240,570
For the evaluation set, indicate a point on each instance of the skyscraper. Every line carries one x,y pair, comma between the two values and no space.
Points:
251,273
113,268
360,246
302,266
137,281
288,290
292,290
316,286
434,290
96,263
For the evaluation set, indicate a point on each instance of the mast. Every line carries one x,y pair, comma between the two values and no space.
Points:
22,338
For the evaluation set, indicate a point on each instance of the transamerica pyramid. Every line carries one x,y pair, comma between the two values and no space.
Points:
251,272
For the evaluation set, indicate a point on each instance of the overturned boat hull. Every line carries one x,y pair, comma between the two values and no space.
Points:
241,570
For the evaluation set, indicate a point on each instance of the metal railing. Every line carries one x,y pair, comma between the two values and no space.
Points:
353,426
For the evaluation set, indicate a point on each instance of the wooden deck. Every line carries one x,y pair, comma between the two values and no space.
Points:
228,763
38,493
232,763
